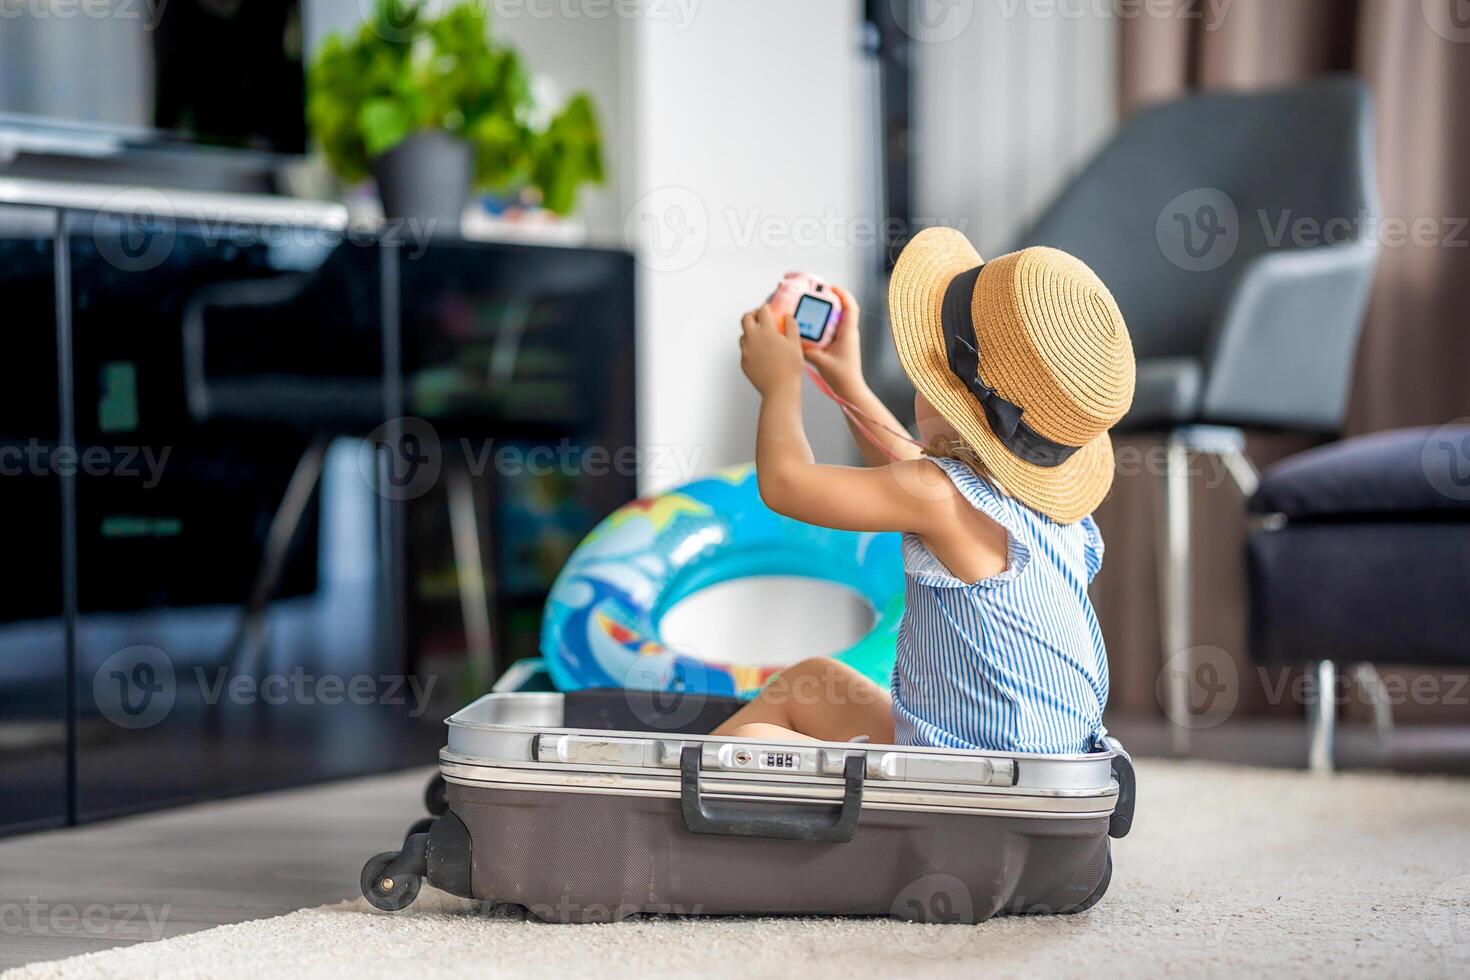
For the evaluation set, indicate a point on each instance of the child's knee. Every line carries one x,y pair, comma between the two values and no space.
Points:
828,681
801,683
766,730
815,666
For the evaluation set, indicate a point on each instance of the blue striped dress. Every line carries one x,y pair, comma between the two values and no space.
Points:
1014,662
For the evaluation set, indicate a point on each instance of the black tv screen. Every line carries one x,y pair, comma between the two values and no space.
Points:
222,73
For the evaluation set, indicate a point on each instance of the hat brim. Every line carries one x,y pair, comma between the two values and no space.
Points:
1065,493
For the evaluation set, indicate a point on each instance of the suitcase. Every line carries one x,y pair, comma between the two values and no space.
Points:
596,805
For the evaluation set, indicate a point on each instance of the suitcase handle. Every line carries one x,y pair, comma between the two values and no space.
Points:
1122,819
703,816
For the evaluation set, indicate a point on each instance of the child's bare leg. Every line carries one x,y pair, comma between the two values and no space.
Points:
818,698
759,729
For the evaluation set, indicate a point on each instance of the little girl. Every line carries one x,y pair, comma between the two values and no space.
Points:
1021,366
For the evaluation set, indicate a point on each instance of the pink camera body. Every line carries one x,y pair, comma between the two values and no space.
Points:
810,303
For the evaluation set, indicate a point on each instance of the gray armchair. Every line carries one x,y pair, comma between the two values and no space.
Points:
1238,234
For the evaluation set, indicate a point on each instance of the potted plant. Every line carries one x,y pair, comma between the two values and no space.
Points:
433,108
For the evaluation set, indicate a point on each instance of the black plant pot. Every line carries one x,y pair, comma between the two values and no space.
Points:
426,179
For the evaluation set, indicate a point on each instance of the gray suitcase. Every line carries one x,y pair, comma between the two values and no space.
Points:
593,806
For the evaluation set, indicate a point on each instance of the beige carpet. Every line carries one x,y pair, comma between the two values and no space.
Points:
1230,872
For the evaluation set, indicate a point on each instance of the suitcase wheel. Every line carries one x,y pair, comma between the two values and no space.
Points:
386,889
420,826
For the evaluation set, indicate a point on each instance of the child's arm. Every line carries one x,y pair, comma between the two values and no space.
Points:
901,496
841,366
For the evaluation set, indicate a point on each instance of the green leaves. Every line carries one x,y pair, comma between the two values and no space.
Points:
568,154
404,72
502,152
384,123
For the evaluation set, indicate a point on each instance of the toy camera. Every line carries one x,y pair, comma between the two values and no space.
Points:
811,304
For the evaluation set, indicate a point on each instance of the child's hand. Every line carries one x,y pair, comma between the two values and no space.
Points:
768,357
841,363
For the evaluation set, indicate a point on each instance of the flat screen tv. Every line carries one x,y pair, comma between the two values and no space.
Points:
87,76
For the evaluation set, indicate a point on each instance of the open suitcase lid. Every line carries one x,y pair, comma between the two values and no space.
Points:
525,731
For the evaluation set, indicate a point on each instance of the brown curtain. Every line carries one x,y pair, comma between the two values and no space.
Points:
1415,350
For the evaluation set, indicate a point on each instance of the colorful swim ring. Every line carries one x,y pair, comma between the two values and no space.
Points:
601,627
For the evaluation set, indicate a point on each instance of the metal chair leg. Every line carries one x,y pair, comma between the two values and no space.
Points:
1176,628
1322,719
244,648
474,591
1175,592
1247,478
1367,677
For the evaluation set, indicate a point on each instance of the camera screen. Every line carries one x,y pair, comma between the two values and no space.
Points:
811,317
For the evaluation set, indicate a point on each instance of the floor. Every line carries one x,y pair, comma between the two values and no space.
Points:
136,879
133,880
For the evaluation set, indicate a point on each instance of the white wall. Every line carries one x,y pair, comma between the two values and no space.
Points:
747,137
1008,109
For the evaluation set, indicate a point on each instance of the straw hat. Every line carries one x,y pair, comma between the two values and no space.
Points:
1026,356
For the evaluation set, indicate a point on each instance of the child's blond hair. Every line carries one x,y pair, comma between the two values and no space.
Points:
945,447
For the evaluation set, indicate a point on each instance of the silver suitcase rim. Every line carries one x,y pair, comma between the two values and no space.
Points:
738,787
523,731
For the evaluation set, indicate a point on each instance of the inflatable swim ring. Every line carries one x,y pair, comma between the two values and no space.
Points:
602,617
